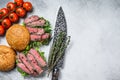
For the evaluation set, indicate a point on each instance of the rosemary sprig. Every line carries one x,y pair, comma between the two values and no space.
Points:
57,46
54,50
57,50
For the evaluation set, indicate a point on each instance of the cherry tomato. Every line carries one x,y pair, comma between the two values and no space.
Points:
2,31
0,16
6,23
13,17
11,6
19,2
20,12
27,6
4,11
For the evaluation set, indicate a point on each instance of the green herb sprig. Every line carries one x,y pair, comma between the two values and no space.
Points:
57,50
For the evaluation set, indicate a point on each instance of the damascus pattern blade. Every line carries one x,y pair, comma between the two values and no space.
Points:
60,26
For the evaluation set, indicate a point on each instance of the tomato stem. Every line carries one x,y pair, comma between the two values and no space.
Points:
6,15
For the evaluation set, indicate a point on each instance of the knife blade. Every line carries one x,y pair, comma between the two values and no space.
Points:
60,26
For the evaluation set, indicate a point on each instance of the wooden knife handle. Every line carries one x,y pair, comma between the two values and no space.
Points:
55,74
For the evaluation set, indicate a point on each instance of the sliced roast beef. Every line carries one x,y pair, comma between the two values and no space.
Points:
34,63
35,74
31,19
45,36
25,61
34,37
17,57
40,22
23,67
39,59
38,31
32,30
31,58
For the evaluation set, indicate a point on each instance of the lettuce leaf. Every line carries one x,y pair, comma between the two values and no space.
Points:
47,27
22,72
42,54
23,24
32,44
46,41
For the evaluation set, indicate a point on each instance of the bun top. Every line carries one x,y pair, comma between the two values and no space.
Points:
18,37
7,58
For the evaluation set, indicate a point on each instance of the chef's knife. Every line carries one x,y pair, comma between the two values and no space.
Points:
60,26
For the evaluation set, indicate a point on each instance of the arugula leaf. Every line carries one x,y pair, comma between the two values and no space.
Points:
47,23
23,24
22,72
42,54
16,61
32,44
46,41
47,29
42,18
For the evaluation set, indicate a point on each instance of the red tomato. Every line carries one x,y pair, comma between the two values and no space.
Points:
11,6
19,2
27,6
6,23
4,11
20,12
2,31
13,17
0,16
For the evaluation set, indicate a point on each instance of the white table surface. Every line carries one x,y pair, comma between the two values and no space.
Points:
94,27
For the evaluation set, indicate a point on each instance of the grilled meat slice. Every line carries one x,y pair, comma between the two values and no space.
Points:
41,31
45,36
23,67
31,19
17,57
32,30
38,31
35,74
25,62
39,22
34,63
34,37
39,59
